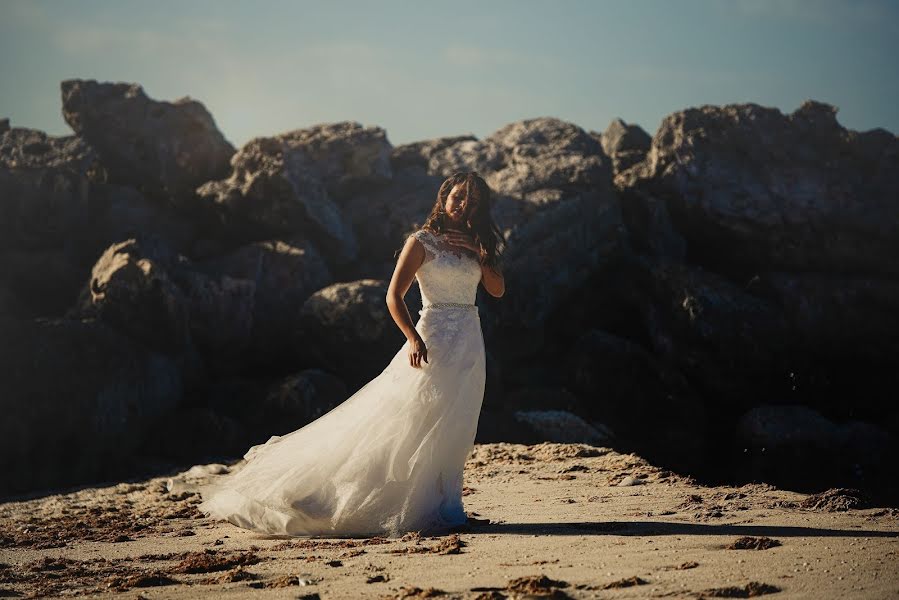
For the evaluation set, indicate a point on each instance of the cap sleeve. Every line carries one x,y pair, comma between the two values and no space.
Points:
429,242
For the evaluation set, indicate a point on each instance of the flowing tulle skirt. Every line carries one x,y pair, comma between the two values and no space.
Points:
387,460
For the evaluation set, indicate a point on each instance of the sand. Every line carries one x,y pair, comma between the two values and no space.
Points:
548,521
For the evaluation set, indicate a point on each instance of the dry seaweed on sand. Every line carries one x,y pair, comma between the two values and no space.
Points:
450,544
626,582
750,590
409,592
753,543
212,560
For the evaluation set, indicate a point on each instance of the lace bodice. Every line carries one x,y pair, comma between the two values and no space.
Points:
449,273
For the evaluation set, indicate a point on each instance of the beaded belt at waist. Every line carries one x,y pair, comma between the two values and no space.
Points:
451,305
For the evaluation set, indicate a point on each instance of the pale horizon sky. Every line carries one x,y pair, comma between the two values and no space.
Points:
425,69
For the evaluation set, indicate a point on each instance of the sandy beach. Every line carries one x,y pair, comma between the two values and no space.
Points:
548,520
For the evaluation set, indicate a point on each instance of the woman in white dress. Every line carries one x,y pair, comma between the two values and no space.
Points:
389,459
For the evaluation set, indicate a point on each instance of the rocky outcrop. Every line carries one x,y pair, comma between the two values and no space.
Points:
797,446
77,398
625,144
286,184
164,149
57,215
254,297
347,329
673,289
130,290
646,402
751,189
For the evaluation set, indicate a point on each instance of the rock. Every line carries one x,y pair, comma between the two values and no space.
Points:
750,188
547,153
625,144
848,337
196,433
41,282
384,216
277,406
564,427
251,299
57,216
418,154
630,481
502,426
837,316
647,403
349,330
43,209
164,149
130,290
23,148
798,446
277,189
541,397
302,398
348,157
727,342
77,400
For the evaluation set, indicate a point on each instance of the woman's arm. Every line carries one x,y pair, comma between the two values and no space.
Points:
410,259
493,281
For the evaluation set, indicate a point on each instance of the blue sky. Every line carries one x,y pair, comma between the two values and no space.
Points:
426,69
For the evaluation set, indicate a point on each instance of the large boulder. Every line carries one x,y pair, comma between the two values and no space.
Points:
730,344
276,406
847,332
279,186
348,330
164,149
625,144
246,305
57,216
77,399
130,290
24,148
797,446
384,216
348,157
418,154
753,189
646,402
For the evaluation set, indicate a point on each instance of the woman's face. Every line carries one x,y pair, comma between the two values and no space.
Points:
458,206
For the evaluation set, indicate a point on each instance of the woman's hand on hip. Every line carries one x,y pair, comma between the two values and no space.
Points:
418,351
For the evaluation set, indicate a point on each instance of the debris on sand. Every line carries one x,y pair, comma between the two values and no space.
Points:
316,544
286,581
152,578
750,590
626,582
451,544
753,543
537,585
211,560
835,500
234,575
414,592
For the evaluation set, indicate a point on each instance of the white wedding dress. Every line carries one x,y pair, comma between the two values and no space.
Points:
389,459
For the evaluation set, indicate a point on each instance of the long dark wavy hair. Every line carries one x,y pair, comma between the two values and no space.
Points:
480,225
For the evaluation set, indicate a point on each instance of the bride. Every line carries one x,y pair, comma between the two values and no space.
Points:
389,459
